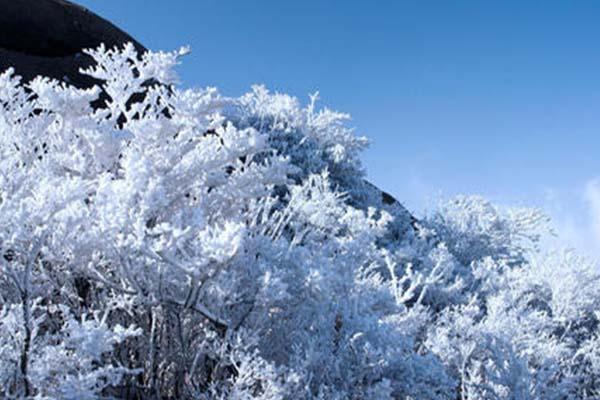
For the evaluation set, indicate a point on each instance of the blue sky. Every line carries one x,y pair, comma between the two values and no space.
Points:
500,99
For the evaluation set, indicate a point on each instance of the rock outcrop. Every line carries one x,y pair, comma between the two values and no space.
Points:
46,37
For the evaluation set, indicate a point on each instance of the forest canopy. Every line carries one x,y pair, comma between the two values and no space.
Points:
195,246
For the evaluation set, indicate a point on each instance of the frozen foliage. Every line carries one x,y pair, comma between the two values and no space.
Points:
180,244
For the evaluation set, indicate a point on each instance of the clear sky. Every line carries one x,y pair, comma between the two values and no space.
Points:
500,99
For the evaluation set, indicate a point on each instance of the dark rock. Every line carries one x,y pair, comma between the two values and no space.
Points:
46,37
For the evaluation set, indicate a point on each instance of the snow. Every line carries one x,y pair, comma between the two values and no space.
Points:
196,246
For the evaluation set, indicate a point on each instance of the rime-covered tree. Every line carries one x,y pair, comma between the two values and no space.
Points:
188,245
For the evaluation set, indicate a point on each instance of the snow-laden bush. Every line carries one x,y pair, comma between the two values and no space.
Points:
180,244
